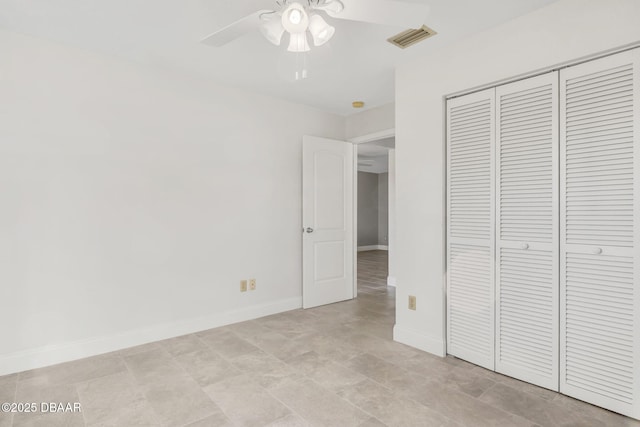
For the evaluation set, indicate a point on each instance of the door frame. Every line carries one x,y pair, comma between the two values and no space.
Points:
370,137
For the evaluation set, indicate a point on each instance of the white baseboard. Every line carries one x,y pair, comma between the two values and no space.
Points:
373,248
59,353
418,340
391,281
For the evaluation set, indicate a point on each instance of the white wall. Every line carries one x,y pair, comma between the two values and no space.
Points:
367,209
564,31
391,278
370,121
132,202
383,208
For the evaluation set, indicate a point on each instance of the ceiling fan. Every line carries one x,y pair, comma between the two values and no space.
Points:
299,17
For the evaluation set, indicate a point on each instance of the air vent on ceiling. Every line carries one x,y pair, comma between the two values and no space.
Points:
410,37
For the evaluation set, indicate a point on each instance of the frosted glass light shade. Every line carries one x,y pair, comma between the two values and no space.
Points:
332,7
320,30
295,18
298,43
272,30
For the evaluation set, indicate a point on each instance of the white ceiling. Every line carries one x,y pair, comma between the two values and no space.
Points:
357,64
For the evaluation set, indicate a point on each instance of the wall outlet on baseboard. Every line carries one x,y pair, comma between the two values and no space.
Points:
243,286
412,302
252,284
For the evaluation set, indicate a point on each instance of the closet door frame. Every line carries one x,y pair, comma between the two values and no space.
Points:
635,413
594,66
511,369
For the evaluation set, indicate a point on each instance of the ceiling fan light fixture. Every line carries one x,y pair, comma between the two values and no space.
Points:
298,43
320,30
332,7
273,30
295,19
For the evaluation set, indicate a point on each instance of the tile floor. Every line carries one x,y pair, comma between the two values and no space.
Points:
331,366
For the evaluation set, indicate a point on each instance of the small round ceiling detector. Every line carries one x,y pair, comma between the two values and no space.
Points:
357,104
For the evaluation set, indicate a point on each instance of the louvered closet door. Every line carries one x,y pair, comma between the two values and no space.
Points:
600,182
470,243
527,284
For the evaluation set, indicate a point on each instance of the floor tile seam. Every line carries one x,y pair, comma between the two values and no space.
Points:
139,386
82,412
551,402
543,401
241,370
207,416
15,397
226,359
270,394
598,414
77,393
529,393
453,387
495,383
489,388
381,323
208,347
77,383
378,312
503,411
292,412
262,350
198,384
347,401
446,416
395,394
173,360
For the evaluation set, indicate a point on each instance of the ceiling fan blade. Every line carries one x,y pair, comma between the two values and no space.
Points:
384,12
237,29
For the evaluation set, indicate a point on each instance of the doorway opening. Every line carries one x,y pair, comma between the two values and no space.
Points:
375,222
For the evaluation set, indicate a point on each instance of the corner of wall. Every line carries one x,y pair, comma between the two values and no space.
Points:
418,340
370,121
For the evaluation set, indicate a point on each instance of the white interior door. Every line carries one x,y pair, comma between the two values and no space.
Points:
327,220
470,227
527,230
600,237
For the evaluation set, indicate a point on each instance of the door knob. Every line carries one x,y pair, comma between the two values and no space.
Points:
309,230
524,246
597,251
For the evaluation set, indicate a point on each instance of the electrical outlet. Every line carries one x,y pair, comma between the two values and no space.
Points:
252,284
243,286
412,302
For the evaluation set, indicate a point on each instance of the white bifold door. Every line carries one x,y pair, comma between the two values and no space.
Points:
527,230
600,232
543,230
470,238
